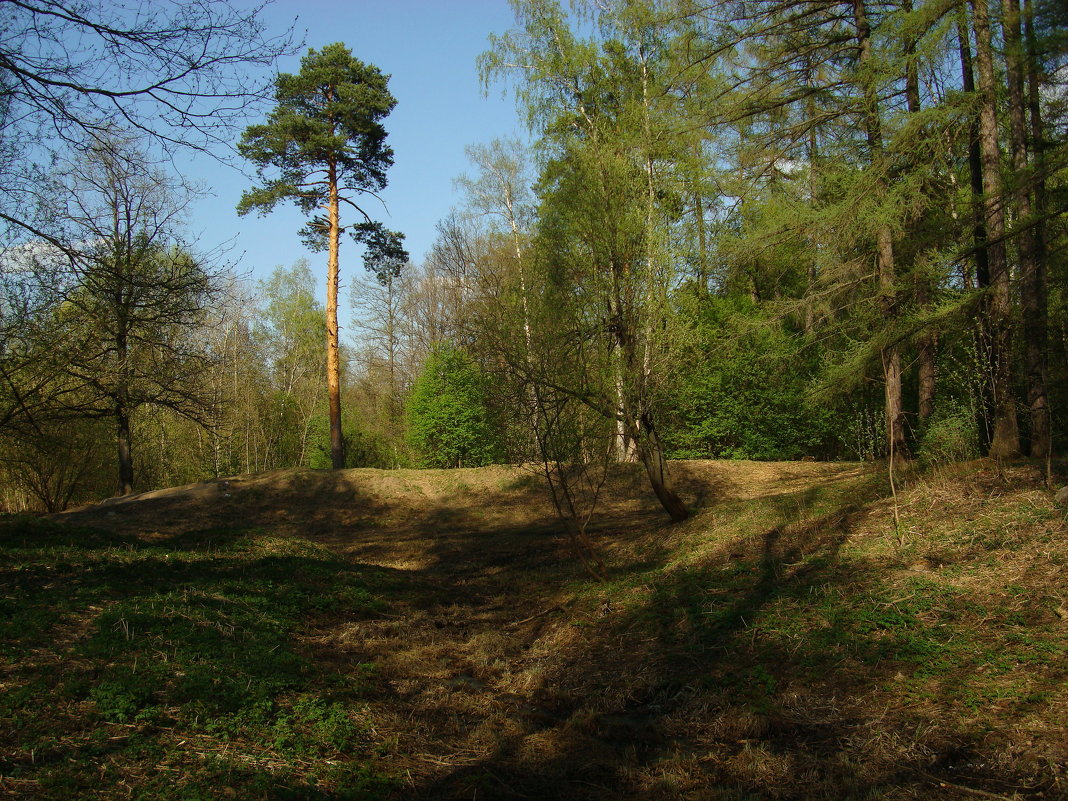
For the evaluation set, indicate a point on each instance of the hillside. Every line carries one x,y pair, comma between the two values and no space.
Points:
424,634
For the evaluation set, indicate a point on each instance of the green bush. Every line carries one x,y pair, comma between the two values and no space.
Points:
362,449
449,421
742,389
950,437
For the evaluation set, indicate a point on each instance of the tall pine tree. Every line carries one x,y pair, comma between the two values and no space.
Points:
323,145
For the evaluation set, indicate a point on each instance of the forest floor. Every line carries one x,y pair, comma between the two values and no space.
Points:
410,634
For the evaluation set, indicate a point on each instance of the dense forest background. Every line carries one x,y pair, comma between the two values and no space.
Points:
747,230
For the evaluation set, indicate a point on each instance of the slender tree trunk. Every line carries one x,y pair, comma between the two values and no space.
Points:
884,248
651,452
912,78
927,376
125,452
638,428
897,447
926,357
1005,442
979,234
975,158
1034,290
702,240
812,154
333,362
927,342
524,302
625,450
623,360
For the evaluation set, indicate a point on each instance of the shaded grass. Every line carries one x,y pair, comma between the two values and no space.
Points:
795,639
172,669
803,646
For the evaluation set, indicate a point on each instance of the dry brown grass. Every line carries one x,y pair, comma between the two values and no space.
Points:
781,644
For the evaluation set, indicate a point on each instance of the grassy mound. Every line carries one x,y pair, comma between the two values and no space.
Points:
425,634
822,644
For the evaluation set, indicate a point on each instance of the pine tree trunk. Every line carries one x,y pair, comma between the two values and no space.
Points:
333,362
1032,242
1005,442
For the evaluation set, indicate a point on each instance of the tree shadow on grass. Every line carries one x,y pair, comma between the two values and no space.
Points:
782,667
139,647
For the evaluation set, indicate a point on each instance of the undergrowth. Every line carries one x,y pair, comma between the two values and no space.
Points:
172,670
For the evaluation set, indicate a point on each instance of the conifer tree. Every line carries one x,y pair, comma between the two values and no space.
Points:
1005,441
1027,144
322,146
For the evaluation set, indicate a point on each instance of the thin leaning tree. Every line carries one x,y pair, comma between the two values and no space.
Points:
322,146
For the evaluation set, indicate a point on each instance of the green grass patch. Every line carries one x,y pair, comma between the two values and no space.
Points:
173,667
787,593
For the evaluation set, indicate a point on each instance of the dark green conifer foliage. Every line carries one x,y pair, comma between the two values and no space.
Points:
323,145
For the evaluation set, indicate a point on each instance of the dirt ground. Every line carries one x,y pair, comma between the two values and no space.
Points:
471,697
502,672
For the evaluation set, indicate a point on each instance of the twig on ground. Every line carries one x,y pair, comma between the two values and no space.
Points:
543,613
962,788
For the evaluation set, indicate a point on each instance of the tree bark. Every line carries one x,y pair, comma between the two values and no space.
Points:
637,423
927,343
812,155
897,447
651,453
625,447
125,453
1005,441
912,77
702,239
333,362
884,247
1023,63
975,160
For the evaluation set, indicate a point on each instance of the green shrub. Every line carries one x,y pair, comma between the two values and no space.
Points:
449,421
950,437
742,390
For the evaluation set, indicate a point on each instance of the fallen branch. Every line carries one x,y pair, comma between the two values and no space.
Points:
964,789
543,613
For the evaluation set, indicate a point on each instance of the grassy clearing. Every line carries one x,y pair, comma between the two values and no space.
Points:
172,670
804,646
795,639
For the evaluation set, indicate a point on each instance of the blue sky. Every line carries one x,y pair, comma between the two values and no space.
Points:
429,48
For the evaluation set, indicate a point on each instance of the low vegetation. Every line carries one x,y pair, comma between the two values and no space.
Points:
172,669
802,636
